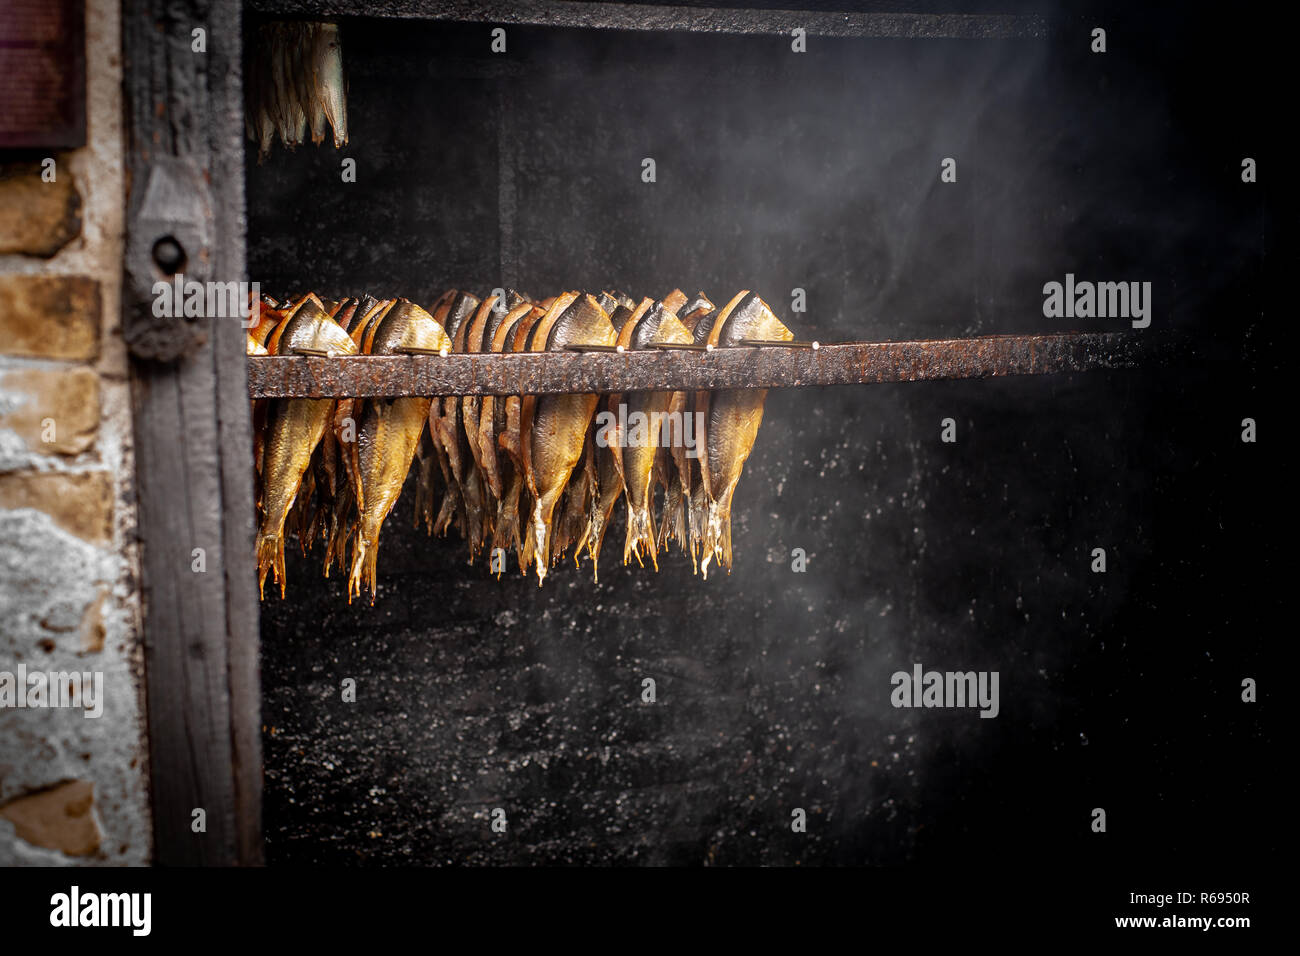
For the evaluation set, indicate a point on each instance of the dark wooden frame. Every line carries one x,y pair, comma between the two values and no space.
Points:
190,383
189,388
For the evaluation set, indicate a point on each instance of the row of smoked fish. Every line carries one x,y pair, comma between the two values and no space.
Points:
295,86
523,473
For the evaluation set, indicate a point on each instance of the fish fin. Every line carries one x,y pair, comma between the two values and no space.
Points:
639,536
270,557
365,555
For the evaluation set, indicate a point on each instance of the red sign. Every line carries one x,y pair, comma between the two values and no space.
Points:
42,74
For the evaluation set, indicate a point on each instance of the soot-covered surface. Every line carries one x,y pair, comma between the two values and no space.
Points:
818,171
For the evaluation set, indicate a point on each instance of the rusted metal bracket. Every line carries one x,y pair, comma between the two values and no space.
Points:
170,233
846,363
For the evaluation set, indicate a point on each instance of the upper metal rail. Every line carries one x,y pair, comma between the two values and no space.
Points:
848,363
629,16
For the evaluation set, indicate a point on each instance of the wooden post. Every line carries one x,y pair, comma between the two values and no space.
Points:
185,213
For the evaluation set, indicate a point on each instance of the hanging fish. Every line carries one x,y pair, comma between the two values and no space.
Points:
445,420
609,443
731,423
295,428
388,431
504,477
516,500
554,427
641,446
327,75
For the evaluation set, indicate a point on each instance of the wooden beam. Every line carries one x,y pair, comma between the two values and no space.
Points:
192,437
674,17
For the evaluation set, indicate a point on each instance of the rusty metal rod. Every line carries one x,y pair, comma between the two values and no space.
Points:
584,14
846,363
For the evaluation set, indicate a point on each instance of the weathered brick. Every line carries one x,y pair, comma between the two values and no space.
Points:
62,405
59,818
92,624
81,504
49,316
37,218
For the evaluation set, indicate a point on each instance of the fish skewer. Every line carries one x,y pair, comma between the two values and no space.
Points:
523,471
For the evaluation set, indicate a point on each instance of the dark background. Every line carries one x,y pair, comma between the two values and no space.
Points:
818,171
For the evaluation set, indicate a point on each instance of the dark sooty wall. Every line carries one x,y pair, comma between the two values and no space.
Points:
818,171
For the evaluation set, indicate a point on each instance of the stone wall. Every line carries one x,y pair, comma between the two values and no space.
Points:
73,788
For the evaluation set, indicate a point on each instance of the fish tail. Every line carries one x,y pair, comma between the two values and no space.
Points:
717,542
639,536
540,528
507,530
354,578
270,558
365,554
592,537
446,512
673,525
696,520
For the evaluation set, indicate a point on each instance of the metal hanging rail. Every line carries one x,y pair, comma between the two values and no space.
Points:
629,16
847,363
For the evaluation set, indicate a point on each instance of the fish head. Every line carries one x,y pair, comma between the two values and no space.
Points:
647,330
364,334
701,304
311,328
584,322
752,319
407,327
541,331
628,322
459,314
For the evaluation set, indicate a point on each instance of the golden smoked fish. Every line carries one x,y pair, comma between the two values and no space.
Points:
295,428
609,444
326,69
504,478
516,503
445,432
731,423
540,473
647,413
388,431
431,460
554,427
